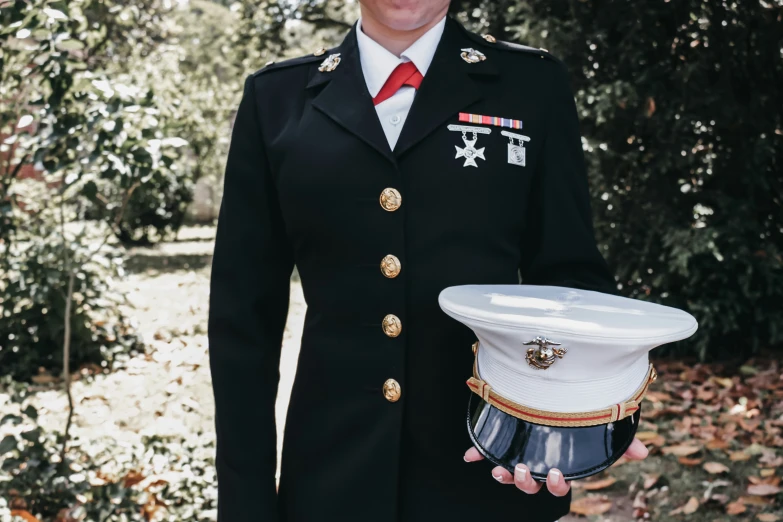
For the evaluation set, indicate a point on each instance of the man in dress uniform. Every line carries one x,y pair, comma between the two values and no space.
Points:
412,157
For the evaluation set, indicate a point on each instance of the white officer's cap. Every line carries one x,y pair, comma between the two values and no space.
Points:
561,368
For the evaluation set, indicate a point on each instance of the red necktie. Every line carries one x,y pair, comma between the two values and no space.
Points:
404,74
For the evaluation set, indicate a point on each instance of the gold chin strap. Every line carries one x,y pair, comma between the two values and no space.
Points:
558,419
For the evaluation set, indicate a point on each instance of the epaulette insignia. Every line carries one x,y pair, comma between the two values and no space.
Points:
275,66
331,63
508,46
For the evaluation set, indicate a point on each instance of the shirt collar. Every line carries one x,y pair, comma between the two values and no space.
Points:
378,63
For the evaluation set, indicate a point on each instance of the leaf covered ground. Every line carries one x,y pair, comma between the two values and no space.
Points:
143,439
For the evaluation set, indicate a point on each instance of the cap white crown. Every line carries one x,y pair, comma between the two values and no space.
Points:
607,339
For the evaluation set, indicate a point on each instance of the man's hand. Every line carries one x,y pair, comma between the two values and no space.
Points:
554,480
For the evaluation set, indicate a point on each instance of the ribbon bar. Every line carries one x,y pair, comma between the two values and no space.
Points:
490,120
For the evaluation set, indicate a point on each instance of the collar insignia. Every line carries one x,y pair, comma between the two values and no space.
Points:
471,55
330,64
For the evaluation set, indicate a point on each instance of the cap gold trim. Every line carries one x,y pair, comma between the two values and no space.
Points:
559,419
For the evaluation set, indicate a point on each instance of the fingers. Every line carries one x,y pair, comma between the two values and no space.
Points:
556,484
502,476
524,481
473,455
637,450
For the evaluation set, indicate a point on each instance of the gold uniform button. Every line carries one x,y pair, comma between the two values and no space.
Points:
390,266
489,38
391,199
392,326
319,52
392,390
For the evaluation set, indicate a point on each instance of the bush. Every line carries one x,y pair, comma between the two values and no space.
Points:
33,292
79,82
158,479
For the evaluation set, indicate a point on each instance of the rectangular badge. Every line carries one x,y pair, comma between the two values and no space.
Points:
490,120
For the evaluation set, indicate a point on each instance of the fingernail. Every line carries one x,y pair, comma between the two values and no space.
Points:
465,458
556,475
499,478
521,472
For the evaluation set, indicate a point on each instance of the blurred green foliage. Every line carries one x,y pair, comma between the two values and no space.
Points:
120,106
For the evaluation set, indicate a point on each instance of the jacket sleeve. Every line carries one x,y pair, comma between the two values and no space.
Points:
559,247
248,306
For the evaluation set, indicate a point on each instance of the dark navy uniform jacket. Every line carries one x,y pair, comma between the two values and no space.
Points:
376,426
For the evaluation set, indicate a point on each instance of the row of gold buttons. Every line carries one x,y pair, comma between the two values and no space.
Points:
390,268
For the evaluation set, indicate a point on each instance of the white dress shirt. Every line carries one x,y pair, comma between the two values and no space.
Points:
378,64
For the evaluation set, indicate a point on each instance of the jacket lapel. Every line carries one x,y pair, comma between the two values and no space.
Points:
345,98
448,87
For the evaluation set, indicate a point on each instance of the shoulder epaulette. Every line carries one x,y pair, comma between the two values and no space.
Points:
492,42
317,56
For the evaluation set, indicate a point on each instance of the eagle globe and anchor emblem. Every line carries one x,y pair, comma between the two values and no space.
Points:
546,353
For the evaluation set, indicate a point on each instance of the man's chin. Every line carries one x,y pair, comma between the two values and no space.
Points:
405,22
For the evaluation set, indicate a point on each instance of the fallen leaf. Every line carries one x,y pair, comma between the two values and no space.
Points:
650,107
715,467
771,460
24,515
756,501
735,508
655,396
717,444
44,378
736,456
762,490
685,461
720,498
691,506
769,479
688,508
595,485
723,381
681,450
768,517
591,505
651,480
766,472
651,437
132,478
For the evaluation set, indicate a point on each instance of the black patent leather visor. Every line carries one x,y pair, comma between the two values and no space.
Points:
577,452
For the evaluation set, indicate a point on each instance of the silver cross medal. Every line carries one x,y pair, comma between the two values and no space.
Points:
469,151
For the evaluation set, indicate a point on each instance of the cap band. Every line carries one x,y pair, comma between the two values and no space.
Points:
559,419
